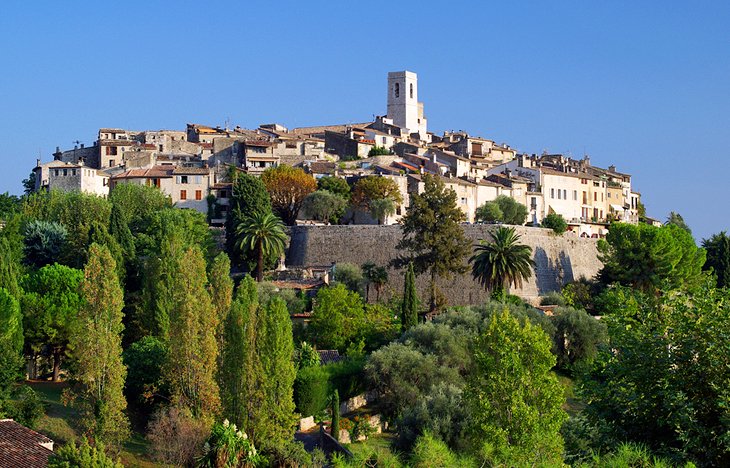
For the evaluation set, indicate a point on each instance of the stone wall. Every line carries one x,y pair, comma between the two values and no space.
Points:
559,259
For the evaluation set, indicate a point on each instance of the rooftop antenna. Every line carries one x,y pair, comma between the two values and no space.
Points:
228,119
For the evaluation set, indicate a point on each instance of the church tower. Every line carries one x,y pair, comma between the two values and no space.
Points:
403,106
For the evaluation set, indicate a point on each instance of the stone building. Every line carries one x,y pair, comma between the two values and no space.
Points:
68,177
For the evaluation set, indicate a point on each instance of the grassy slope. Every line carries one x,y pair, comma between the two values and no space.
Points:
59,423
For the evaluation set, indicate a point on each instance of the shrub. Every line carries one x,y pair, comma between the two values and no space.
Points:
362,427
555,222
552,298
176,437
350,275
430,451
227,446
311,390
83,455
579,294
144,359
378,151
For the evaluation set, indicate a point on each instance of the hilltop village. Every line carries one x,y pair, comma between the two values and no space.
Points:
194,166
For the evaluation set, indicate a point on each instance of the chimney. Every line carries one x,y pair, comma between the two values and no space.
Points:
82,146
38,162
612,168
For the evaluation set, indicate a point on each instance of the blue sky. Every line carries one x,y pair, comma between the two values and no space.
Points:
642,85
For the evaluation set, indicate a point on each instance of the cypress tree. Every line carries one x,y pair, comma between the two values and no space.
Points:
241,371
409,308
193,352
11,344
9,269
119,228
221,291
276,348
97,345
335,430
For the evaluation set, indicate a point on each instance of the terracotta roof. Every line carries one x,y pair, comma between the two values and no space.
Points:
258,143
118,142
21,447
153,172
580,175
190,170
322,167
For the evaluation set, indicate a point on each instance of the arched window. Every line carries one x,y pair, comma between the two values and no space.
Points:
397,90
411,90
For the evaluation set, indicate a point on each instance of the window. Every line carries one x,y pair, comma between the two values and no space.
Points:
198,194
559,193
183,195
198,179
595,196
112,163
73,172
396,90
182,179
575,195
565,194
552,193
111,150
411,90
65,172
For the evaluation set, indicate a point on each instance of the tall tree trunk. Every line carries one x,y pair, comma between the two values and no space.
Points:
432,307
260,266
56,363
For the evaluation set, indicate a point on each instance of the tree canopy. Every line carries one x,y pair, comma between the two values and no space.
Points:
288,187
502,262
718,257
372,188
503,209
650,258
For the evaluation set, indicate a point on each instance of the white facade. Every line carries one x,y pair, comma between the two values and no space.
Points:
403,106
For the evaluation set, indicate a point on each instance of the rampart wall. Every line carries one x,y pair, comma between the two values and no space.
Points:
559,259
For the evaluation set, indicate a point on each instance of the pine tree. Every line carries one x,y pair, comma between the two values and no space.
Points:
409,308
241,370
193,352
335,430
97,346
276,348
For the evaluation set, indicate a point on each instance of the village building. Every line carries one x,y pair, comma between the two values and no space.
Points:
22,447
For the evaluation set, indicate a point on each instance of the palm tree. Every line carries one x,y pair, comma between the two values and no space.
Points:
263,233
501,262
375,275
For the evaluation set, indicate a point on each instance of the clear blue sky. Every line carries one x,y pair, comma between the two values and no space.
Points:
642,85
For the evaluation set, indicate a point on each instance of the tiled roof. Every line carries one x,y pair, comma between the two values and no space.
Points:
21,447
322,128
191,170
322,167
153,172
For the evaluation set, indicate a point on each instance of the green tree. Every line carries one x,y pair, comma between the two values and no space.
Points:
489,212
264,234
288,187
504,209
718,257
11,346
382,208
337,317
276,348
335,429
97,347
662,378
10,269
144,360
83,455
577,337
433,235
375,275
676,219
336,185
119,229
514,398
9,204
502,262
50,306
44,243
248,197
555,222
650,258
193,352
220,288
350,275
137,203
29,183
409,307
323,206
241,372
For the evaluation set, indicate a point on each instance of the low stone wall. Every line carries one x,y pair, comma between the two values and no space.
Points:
356,402
559,259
